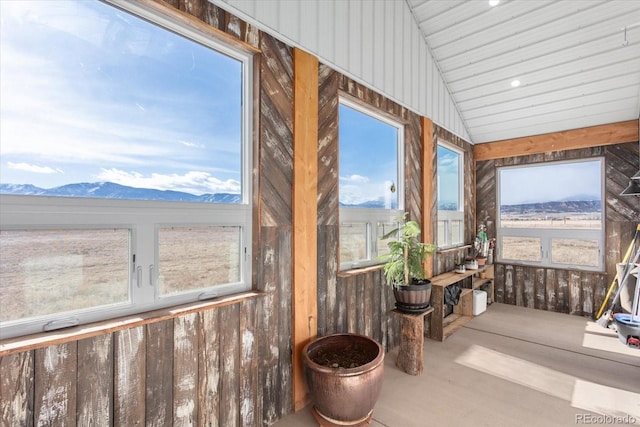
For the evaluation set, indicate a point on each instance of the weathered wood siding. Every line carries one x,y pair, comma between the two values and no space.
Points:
196,369
567,291
225,366
356,301
229,365
274,313
445,261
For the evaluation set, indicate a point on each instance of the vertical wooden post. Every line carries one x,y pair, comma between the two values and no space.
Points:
305,214
427,188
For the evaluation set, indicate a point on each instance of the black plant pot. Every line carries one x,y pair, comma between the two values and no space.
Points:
415,298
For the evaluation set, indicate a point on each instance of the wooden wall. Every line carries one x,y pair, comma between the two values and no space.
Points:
445,260
356,301
227,365
195,369
567,291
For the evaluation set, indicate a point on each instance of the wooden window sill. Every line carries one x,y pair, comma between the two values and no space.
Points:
44,339
356,271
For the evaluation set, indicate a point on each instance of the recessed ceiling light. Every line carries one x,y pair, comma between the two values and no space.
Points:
493,2
515,83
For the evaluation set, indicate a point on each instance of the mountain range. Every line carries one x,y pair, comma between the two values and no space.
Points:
110,190
564,206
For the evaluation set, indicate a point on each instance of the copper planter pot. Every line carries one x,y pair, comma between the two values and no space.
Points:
344,396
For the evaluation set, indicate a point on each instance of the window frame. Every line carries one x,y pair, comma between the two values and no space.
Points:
372,216
448,216
144,218
546,235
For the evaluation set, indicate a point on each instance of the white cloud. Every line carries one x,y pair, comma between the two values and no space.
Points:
354,179
52,116
191,144
193,182
27,167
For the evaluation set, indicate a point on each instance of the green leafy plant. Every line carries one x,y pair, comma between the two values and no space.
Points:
407,253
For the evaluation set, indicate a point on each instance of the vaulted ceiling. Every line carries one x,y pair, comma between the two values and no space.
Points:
577,61
453,61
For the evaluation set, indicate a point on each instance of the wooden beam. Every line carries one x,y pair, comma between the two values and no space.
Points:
305,214
427,187
614,133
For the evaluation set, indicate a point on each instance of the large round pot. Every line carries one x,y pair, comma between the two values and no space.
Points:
344,395
415,298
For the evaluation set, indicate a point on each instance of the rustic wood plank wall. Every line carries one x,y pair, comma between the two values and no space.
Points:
327,199
445,260
225,366
357,301
275,237
196,369
567,291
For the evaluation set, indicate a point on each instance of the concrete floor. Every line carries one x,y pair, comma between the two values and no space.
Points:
512,366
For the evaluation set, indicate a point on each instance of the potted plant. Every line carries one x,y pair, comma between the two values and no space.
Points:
481,245
404,266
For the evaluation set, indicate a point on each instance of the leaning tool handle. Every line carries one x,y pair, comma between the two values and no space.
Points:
624,260
635,312
627,273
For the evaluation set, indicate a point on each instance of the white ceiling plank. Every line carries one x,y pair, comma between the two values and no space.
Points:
598,101
601,88
552,124
453,60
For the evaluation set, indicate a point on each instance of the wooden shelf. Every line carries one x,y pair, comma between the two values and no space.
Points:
456,323
446,279
441,327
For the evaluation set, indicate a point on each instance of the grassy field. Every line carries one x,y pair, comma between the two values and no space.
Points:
563,251
571,221
44,272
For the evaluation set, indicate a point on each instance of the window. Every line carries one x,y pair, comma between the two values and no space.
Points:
450,196
125,170
551,214
371,183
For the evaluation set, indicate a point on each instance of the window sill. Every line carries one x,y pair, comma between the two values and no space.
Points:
362,270
44,339
453,249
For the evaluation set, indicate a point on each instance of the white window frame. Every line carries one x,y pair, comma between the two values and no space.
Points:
143,218
546,235
449,216
371,216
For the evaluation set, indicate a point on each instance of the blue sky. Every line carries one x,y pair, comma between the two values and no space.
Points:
448,179
551,182
368,158
90,93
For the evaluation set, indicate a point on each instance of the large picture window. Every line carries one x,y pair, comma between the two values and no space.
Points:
450,175
125,171
371,187
551,214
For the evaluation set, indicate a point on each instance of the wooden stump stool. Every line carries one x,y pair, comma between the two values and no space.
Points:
411,341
